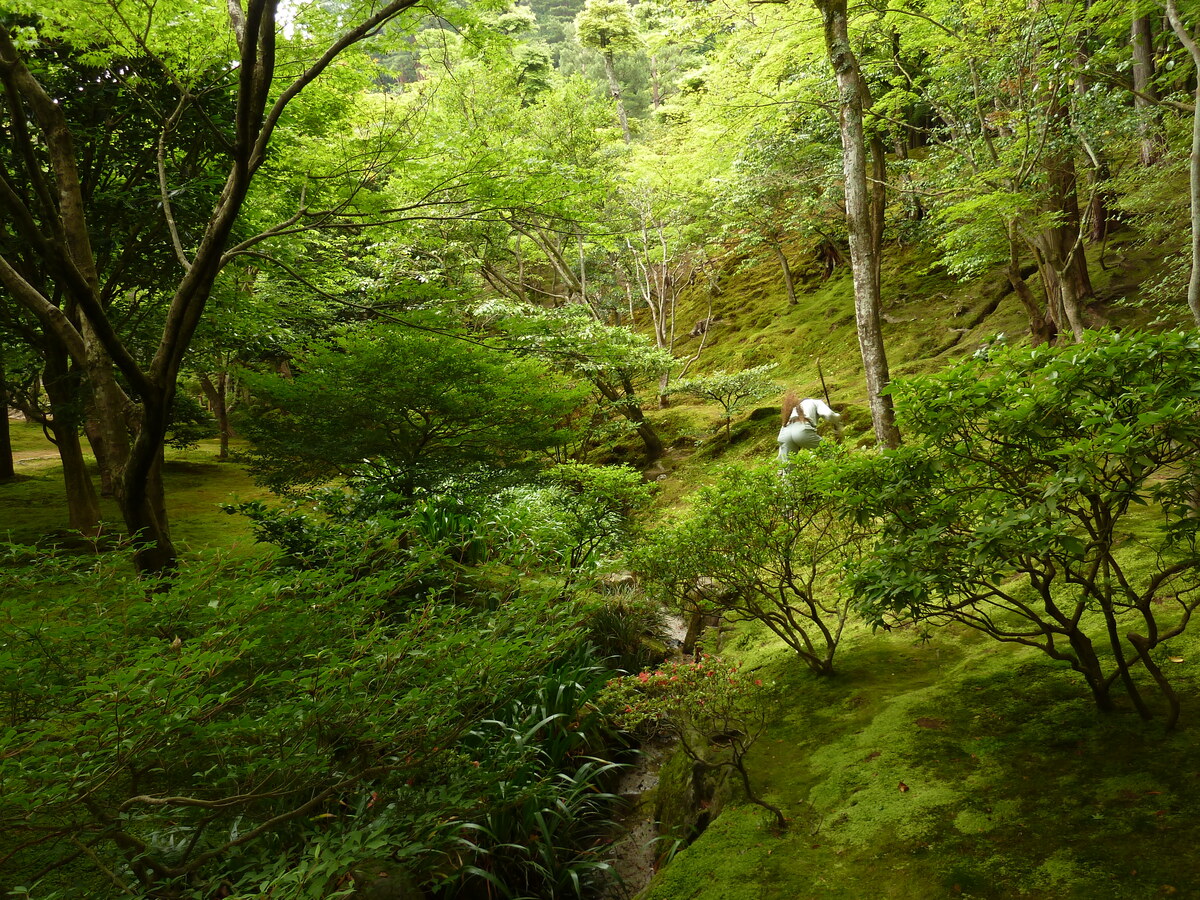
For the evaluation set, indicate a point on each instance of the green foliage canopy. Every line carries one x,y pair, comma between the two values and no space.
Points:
429,403
608,26
1048,499
772,546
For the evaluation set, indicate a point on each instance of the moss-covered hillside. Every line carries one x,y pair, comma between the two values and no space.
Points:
936,763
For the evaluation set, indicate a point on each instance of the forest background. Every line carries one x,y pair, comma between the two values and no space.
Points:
485,299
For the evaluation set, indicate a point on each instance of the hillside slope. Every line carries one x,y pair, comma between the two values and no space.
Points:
935,763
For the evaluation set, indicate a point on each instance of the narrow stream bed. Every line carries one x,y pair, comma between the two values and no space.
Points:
634,854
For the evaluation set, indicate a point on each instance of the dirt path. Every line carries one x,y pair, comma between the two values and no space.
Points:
24,456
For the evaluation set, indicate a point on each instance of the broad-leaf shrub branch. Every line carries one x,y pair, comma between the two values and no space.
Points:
1048,498
716,711
214,732
767,544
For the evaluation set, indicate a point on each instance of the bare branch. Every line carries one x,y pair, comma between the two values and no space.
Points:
168,212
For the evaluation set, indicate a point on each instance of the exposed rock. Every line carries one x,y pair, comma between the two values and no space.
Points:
618,582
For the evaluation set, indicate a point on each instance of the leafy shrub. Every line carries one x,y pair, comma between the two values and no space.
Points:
576,517
731,390
772,546
715,710
190,422
548,808
1047,498
628,628
423,404
224,733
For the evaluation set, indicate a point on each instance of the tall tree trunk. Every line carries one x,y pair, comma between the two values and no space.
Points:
7,466
864,205
614,88
626,404
1145,97
787,272
655,83
1041,326
83,506
1194,164
108,426
1100,194
218,399
1061,244
140,492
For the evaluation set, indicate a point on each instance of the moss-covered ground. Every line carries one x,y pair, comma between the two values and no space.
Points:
952,767
32,508
943,766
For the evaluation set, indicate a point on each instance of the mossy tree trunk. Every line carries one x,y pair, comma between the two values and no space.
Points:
1194,160
7,466
864,215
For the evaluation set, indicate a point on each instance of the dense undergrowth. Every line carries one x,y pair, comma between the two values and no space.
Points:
397,695
931,762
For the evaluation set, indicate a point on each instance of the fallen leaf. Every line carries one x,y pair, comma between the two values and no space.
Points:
903,787
1175,658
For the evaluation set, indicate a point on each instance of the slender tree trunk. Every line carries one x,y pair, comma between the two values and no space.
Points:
1143,647
1194,163
7,466
863,217
1061,244
83,506
1041,327
140,492
655,83
1100,194
739,765
1089,667
787,273
627,405
614,88
218,398
900,145
108,425
1145,97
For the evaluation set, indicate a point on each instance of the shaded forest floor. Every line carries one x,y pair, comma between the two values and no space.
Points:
32,508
